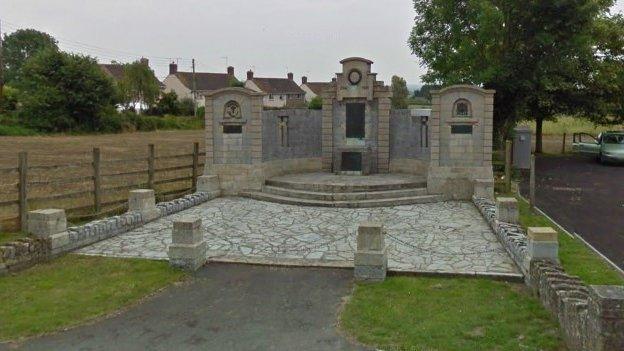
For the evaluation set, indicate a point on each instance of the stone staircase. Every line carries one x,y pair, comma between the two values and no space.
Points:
348,195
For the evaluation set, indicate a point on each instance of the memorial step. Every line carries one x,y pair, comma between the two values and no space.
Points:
343,196
382,202
350,187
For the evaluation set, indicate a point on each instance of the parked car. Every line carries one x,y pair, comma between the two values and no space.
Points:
607,147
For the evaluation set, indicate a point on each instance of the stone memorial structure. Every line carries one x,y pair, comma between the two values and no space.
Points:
356,133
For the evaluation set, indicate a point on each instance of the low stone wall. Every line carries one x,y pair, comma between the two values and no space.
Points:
590,317
25,252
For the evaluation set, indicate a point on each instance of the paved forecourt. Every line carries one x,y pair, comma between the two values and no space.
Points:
443,237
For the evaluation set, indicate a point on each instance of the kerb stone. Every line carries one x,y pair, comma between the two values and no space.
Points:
143,201
507,210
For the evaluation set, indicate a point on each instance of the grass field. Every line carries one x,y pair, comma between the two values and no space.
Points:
553,132
423,313
59,149
73,289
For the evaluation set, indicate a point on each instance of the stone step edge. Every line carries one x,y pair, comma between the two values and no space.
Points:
342,188
331,196
257,195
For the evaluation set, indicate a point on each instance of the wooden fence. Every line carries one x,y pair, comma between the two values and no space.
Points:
99,186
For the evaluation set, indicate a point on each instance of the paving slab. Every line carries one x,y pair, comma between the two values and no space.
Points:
224,307
442,237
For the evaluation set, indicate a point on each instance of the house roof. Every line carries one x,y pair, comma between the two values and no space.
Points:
114,70
318,87
277,86
204,81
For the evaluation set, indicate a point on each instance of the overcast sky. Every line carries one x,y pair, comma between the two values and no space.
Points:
307,37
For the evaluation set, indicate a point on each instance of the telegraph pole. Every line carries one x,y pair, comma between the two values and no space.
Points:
194,91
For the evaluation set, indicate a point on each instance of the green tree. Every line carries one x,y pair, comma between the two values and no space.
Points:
63,92
168,104
400,93
541,57
139,86
21,45
316,103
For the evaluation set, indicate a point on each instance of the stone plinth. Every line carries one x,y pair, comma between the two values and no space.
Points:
484,188
144,202
371,258
507,210
606,317
542,244
44,223
188,248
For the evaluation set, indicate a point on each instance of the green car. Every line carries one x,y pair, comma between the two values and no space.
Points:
607,147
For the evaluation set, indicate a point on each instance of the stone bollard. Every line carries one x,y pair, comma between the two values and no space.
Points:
44,223
484,188
144,202
188,248
507,210
371,258
542,245
605,318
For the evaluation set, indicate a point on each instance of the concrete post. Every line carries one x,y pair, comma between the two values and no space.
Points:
606,318
144,202
371,258
542,245
44,223
507,210
484,188
188,248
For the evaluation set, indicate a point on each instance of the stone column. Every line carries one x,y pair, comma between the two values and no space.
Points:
606,318
44,223
209,126
507,210
144,202
327,130
188,248
371,258
383,132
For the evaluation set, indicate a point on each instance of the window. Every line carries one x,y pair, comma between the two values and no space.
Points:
281,97
282,128
271,97
229,129
356,117
462,109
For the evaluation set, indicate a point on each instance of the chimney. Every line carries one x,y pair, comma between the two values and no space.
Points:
304,80
144,61
230,71
249,75
173,68
291,76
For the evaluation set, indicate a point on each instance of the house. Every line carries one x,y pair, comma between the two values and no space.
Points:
115,70
313,89
182,82
280,92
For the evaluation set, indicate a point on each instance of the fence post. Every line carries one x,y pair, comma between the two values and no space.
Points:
151,156
508,166
97,181
563,147
195,165
532,183
23,190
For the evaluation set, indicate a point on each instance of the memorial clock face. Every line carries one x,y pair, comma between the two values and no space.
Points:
354,77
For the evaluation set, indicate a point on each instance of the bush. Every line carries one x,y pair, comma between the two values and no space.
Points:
10,126
316,103
201,112
187,107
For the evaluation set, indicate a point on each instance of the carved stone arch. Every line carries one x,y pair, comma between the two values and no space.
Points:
462,108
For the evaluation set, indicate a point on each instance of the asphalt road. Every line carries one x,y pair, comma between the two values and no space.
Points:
224,307
586,198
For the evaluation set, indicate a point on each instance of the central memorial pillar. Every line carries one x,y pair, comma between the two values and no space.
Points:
356,121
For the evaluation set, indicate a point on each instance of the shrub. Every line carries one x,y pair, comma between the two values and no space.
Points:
201,112
316,103
187,107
